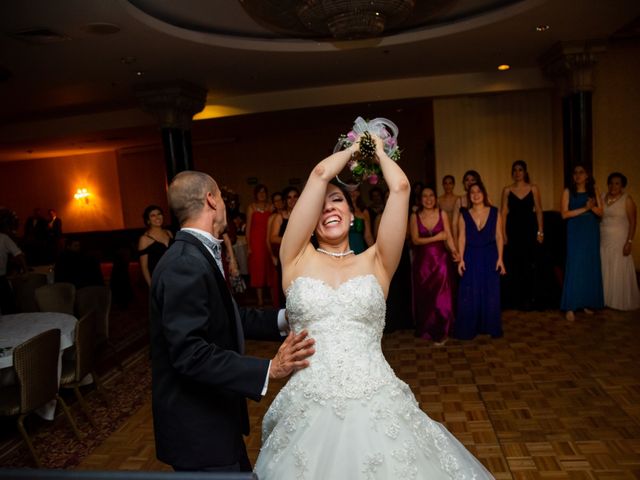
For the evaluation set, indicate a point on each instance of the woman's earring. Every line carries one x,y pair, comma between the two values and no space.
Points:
351,223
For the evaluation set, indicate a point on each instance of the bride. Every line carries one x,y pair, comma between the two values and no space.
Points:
347,415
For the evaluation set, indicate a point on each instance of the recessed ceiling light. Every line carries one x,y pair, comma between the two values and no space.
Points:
504,66
542,28
139,73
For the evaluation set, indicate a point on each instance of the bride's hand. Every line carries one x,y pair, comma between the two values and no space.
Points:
292,355
355,146
379,145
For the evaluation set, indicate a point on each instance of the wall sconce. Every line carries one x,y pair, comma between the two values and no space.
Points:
82,193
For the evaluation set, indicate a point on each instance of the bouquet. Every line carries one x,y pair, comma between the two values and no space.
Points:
363,165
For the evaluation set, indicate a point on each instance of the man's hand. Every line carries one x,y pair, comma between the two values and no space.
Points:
292,355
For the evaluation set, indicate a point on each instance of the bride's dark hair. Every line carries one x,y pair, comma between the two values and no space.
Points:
345,192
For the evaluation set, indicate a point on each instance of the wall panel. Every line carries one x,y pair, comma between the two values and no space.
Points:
488,132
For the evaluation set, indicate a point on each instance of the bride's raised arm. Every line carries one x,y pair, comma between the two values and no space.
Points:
393,223
304,217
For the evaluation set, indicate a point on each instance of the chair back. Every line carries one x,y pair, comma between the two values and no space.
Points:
98,300
24,287
57,297
36,364
84,345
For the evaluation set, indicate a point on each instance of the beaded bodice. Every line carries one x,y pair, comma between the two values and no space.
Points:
346,323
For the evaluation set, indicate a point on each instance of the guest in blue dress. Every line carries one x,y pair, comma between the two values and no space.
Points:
480,246
582,209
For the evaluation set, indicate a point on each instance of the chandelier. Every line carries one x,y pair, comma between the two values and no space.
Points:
336,19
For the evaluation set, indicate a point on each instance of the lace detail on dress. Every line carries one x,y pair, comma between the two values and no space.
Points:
406,457
347,415
371,464
301,463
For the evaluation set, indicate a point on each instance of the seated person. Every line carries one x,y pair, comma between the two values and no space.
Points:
75,266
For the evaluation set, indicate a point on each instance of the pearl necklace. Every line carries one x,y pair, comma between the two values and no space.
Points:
611,200
335,254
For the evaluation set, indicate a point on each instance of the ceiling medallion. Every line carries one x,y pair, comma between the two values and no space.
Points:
335,19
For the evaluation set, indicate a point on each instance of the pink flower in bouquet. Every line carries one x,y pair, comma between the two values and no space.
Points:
352,164
373,179
391,142
351,136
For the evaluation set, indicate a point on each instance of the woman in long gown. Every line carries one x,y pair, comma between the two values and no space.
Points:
469,178
347,415
582,209
617,230
448,200
277,226
154,242
521,212
256,234
431,279
360,236
480,249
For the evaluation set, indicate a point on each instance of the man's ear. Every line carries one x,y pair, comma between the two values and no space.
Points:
211,201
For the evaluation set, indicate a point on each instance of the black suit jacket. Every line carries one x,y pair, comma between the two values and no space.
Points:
200,378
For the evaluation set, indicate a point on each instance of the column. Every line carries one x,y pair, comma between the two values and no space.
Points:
570,65
174,104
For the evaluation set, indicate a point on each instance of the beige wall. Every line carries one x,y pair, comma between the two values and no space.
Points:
488,132
616,119
52,182
121,184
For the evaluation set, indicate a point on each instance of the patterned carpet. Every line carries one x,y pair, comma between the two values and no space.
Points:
55,442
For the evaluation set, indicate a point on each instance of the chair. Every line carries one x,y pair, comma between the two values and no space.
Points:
98,300
36,365
57,297
74,370
24,287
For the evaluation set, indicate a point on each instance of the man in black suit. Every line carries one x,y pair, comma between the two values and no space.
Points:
201,378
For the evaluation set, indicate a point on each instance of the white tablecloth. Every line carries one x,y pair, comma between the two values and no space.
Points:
17,328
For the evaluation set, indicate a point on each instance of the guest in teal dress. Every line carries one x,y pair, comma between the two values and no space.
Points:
360,236
582,209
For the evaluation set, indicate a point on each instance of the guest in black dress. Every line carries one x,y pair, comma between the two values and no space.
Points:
154,242
277,227
470,177
521,212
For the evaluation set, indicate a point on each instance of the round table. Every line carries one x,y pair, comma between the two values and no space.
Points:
20,327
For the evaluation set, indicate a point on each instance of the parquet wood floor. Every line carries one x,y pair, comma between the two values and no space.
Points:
551,400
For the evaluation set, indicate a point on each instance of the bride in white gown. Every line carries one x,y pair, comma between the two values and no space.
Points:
347,416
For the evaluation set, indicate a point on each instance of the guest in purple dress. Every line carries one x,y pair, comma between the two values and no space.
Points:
480,245
431,274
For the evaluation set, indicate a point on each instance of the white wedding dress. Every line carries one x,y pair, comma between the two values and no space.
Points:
347,416
619,283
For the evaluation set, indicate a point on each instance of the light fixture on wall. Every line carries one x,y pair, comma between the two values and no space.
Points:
82,193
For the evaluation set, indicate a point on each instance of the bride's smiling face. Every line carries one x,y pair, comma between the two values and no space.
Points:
336,216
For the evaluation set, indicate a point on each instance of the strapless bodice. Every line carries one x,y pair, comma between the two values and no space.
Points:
357,304
346,323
